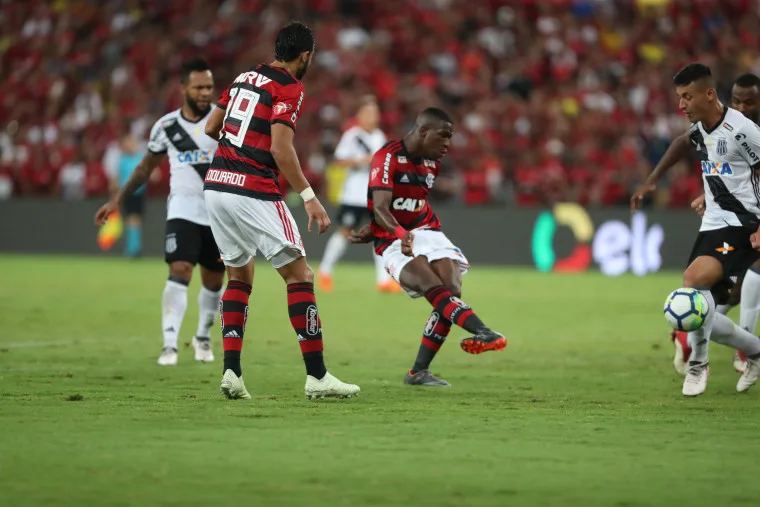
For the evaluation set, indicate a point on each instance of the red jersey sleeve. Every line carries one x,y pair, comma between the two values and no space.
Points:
383,168
224,100
286,107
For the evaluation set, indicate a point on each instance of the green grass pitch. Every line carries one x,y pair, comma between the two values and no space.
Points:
583,408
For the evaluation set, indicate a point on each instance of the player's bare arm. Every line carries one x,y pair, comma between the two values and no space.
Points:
285,156
677,150
384,218
215,123
137,179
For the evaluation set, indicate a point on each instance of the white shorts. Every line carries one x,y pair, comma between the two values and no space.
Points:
432,244
243,225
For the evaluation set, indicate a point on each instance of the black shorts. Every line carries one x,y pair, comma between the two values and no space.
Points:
730,245
190,242
134,205
352,216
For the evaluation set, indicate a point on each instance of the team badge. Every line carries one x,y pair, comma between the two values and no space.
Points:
429,180
722,147
171,243
281,108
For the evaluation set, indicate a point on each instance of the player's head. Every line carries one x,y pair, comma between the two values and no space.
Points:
295,45
434,129
745,96
695,87
368,115
197,85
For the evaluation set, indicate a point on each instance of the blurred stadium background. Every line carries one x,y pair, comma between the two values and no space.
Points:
562,108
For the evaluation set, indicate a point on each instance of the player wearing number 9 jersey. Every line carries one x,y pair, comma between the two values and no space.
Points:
255,124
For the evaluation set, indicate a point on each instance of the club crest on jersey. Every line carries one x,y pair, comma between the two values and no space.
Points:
406,204
195,157
722,147
716,168
727,126
429,180
281,108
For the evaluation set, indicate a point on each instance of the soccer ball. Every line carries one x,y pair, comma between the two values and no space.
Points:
686,309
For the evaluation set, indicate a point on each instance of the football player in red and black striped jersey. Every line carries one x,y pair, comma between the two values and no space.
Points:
407,233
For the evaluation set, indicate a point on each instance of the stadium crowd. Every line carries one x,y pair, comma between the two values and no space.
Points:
554,100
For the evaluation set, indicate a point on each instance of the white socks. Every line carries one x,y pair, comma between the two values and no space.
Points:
173,306
336,247
700,339
382,274
750,306
208,308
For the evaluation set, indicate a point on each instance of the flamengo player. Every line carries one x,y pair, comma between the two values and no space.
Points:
727,145
255,124
745,98
354,151
416,252
180,136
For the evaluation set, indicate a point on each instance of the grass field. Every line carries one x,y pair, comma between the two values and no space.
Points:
582,409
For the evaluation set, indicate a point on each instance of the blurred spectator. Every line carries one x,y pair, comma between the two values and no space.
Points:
553,100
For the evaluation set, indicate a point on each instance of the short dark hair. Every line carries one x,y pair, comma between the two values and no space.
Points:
292,40
434,113
691,73
747,81
190,66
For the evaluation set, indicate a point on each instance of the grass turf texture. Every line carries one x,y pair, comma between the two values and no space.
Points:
583,408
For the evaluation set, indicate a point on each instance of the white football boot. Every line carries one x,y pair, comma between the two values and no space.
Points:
233,387
749,377
329,387
695,382
203,350
740,361
168,357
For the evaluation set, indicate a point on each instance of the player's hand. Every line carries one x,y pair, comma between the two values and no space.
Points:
105,211
363,235
698,205
638,196
754,239
407,244
317,213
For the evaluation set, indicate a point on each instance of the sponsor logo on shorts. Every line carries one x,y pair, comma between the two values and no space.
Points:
725,248
312,321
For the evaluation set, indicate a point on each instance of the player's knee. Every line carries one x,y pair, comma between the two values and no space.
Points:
182,270
455,287
297,272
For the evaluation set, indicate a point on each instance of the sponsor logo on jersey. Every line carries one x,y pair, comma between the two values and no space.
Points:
281,108
406,204
742,139
727,126
386,168
716,168
401,160
429,163
253,78
195,156
225,177
294,116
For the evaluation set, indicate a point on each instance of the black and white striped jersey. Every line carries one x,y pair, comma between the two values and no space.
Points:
729,155
190,153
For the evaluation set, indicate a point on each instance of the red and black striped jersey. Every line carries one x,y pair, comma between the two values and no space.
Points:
409,179
243,163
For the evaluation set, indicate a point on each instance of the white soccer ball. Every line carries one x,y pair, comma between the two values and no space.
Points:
686,309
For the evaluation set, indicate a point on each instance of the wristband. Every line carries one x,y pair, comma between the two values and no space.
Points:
400,232
307,194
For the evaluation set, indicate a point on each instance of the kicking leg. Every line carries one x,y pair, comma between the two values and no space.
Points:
419,276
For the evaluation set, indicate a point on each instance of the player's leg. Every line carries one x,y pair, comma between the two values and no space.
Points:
229,220
436,329
283,247
336,246
134,208
740,358
210,294
181,249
